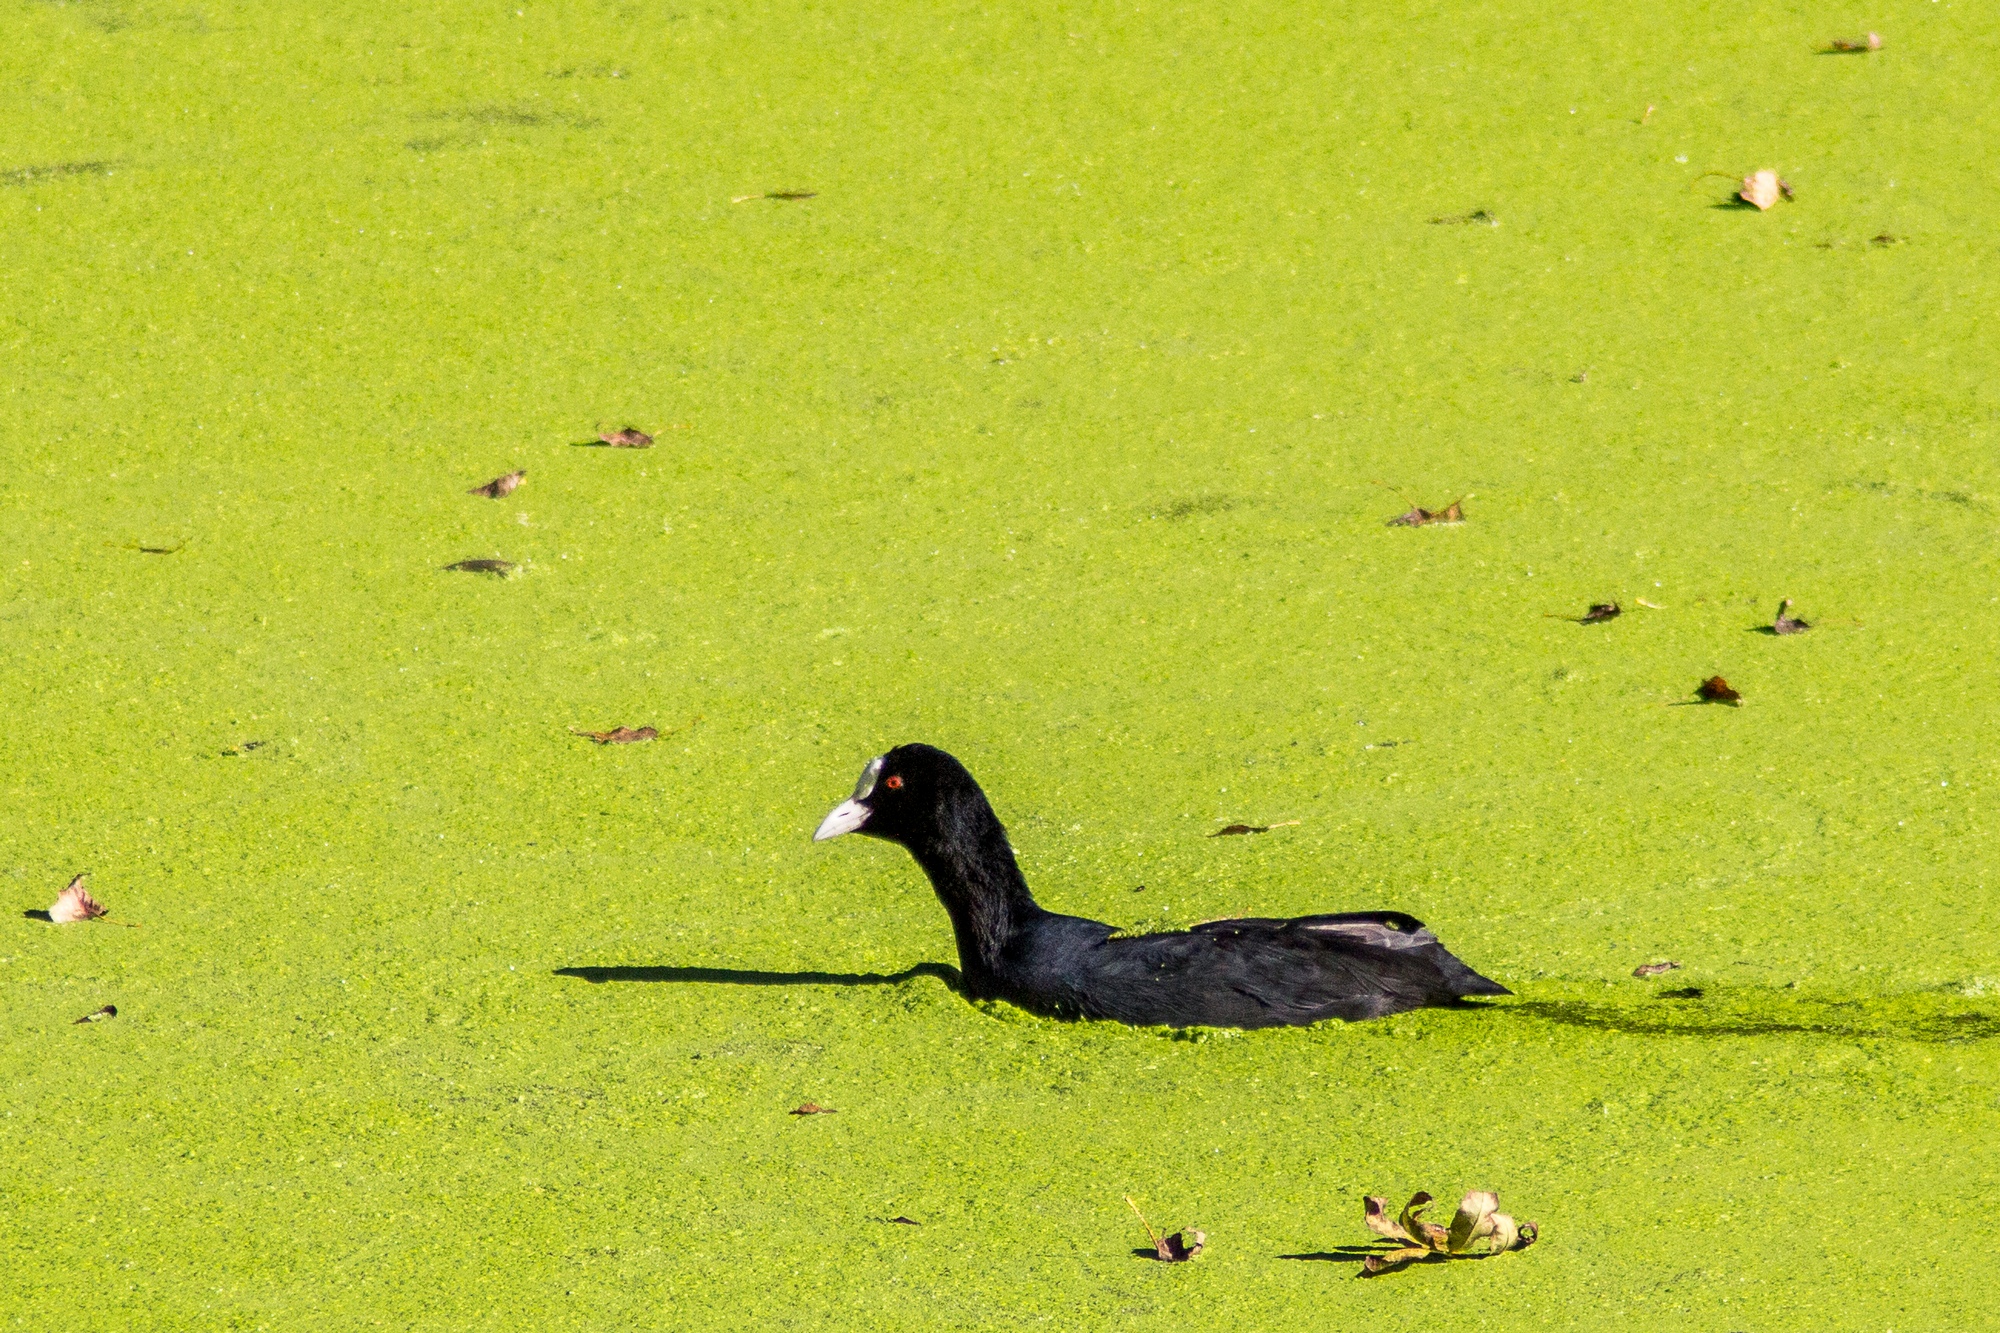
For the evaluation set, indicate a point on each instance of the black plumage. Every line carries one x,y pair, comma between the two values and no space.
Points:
1250,973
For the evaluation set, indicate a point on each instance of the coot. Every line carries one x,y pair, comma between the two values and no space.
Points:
1252,973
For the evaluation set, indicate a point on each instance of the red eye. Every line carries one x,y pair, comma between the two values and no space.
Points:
893,783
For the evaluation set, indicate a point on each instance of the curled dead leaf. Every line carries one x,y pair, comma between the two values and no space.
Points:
1178,1248
1388,1260
1375,1212
1646,970
1716,690
501,567
1238,830
500,486
618,735
1477,1229
1600,612
1788,624
74,903
1417,516
811,1108
1849,45
629,438
1760,190
97,1015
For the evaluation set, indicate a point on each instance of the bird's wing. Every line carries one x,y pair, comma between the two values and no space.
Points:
1262,971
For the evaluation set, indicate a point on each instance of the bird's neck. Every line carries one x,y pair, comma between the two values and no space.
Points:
972,867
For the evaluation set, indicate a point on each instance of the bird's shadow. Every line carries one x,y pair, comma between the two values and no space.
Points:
38,914
1340,1254
735,976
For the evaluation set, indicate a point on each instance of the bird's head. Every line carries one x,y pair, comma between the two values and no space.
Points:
911,795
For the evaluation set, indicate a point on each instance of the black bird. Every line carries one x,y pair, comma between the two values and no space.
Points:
1253,973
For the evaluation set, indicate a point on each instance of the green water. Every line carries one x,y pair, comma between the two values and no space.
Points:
1049,431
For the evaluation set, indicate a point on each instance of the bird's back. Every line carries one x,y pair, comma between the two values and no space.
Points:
1248,973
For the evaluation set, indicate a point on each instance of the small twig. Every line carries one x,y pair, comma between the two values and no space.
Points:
1151,1234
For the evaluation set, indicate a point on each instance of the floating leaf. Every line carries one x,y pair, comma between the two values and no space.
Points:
1480,1228
1477,1229
500,486
97,1015
1417,516
1761,190
1885,239
1175,1249
1388,1260
1645,970
812,1108
245,748
500,567
1413,1224
1375,1212
629,438
1237,830
1716,690
1600,612
902,1221
618,735
74,903
1787,624
1848,45
1478,217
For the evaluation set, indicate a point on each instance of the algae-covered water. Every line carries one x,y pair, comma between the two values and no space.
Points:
1058,427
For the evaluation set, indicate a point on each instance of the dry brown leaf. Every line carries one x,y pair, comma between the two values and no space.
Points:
1786,624
629,438
812,1108
1600,612
1477,1229
1389,1260
1845,45
500,486
1375,1212
74,903
1716,690
1178,1248
96,1015
1417,517
1237,830
500,567
618,735
1645,970
1760,190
